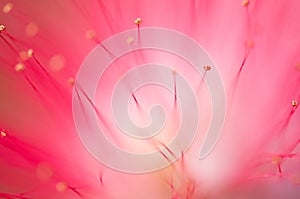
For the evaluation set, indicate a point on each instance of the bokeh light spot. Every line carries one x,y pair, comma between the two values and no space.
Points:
90,34
23,55
297,66
8,7
32,29
61,186
44,171
3,133
249,43
57,62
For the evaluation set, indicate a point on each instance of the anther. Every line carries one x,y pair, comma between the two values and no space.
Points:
294,104
2,28
245,3
207,68
71,81
3,133
30,53
138,21
19,67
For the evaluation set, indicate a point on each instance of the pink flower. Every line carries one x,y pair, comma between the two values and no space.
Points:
49,147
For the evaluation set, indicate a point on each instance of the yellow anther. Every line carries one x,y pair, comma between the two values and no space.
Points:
294,103
206,68
3,133
19,67
138,21
30,53
245,3
2,27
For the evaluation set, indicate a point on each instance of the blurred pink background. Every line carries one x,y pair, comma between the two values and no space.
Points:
255,46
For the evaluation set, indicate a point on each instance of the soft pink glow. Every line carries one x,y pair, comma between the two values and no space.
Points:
255,47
